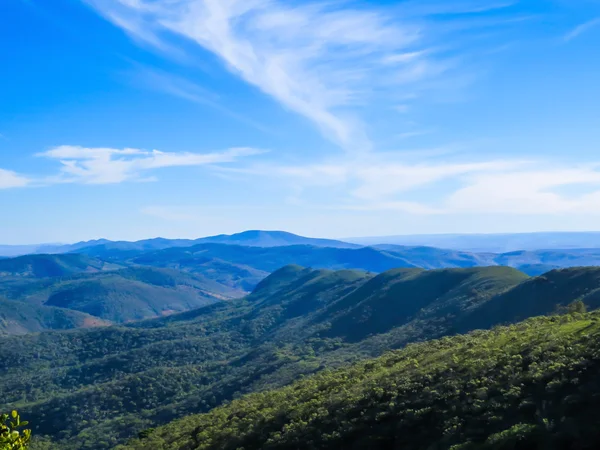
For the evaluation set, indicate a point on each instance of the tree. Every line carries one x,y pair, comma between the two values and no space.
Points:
11,435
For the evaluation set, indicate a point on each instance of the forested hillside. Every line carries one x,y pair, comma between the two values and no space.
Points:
116,296
41,266
91,389
20,318
534,385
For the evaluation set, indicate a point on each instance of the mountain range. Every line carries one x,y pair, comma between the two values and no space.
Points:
250,238
479,243
496,243
118,282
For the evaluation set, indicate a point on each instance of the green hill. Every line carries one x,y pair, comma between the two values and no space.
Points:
396,297
39,266
530,386
19,318
543,294
120,296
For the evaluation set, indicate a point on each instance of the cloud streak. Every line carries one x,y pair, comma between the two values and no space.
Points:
109,165
580,29
9,179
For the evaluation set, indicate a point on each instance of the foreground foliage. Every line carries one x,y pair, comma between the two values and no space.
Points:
12,434
534,385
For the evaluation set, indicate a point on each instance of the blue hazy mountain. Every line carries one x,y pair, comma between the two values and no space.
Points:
251,238
497,243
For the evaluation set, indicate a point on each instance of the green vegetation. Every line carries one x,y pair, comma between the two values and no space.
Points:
534,385
40,266
12,434
20,318
109,296
92,389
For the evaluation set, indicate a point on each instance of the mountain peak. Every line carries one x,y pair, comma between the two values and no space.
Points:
265,238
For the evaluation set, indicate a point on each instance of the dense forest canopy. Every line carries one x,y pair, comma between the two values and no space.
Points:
530,385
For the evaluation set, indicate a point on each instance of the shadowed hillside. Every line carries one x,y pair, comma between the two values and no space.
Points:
118,296
20,318
40,266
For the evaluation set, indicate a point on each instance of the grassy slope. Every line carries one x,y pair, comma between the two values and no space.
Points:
532,385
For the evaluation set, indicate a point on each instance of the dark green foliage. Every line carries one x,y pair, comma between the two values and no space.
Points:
396,297
40,266
20,318
535,385
543,294
117,296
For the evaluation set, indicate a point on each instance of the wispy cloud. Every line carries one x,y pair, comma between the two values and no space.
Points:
533,191
109,165
9,179
582,28
497,186
323,60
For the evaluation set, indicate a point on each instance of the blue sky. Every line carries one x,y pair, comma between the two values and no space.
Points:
129,119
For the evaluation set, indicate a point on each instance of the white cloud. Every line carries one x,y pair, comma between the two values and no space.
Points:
323,60
529,192
109,165
9,179
514,187
582,28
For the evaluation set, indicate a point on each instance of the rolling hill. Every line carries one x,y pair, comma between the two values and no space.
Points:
40,266
18,318
497,243
91,389
119,296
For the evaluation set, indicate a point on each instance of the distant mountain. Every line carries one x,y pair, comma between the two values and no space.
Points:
21,318
258,238
40,266
253,238
17,250
497,243
243,267
439,258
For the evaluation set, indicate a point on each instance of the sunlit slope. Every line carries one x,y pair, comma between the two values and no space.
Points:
531,385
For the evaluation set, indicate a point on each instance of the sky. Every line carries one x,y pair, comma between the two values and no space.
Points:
131,119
